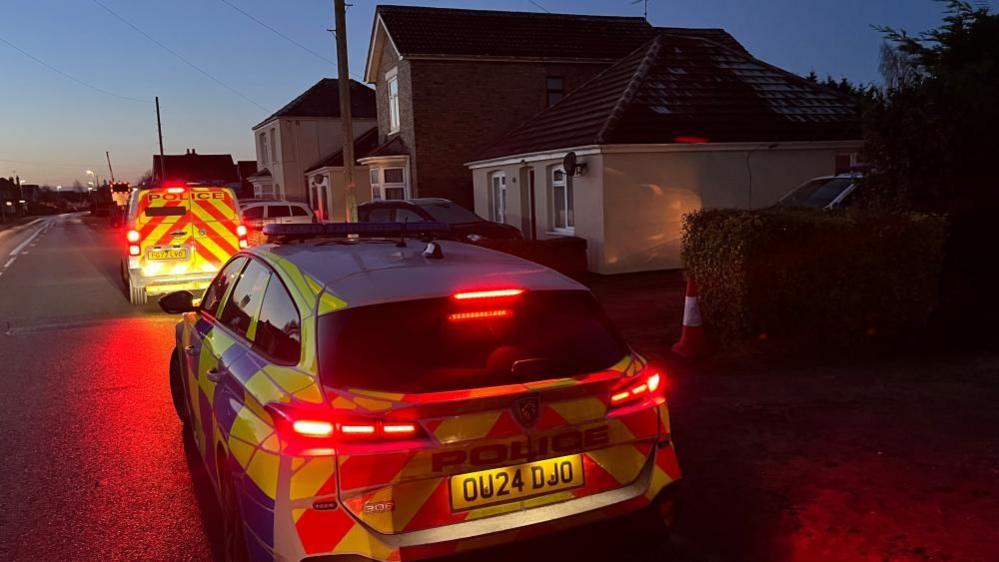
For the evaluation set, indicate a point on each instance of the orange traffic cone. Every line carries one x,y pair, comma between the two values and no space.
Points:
692,344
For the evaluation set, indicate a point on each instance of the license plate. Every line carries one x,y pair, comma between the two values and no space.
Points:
177,254
512,483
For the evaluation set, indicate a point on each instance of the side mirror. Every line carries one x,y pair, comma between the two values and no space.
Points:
178,302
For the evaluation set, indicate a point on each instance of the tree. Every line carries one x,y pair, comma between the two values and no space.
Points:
147,178
931,131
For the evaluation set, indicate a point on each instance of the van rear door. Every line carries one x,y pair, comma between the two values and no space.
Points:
214,223
163,221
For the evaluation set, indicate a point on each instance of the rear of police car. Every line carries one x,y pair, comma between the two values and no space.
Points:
178,238
494,404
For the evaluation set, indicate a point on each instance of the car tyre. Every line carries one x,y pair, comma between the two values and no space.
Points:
233,534
136,293
177,389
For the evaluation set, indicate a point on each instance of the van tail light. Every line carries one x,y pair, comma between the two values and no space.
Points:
132,236
134,250
241,233
645,389
318,431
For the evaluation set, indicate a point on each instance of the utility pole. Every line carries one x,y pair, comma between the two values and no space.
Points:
159,131
110,170
343,77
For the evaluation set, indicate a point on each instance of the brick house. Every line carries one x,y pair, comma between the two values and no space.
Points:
449,80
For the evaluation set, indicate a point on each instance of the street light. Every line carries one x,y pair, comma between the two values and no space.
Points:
91,173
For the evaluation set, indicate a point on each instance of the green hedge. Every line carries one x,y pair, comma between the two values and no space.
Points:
565,254
816,279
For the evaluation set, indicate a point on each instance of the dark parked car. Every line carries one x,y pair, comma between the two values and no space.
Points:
465,225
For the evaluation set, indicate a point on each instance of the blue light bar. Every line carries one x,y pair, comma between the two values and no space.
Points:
371,229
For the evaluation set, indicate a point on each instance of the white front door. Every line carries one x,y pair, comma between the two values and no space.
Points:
499,198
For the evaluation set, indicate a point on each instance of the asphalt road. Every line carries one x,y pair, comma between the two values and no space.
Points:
94,465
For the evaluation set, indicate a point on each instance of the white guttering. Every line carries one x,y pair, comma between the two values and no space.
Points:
587,150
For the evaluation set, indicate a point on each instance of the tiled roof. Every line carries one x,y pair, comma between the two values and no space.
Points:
214,168
678,86
481,33
393,147
363,145
323,100
265,173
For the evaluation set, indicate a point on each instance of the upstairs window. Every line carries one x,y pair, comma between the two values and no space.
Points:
555,89
273,146
392,83
264,149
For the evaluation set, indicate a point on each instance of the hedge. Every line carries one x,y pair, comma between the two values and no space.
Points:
814,279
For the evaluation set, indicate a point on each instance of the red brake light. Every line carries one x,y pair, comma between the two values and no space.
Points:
134,250
241,231
480,315
132,236
315,431
638,388
313,428
491,294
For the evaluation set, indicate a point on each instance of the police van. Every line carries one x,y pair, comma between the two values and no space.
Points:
177,238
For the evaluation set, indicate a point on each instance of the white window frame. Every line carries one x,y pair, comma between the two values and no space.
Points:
379,186
497,197
567,204
264,148
395,117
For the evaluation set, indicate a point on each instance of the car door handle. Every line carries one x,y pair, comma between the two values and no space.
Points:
178,233
216,374
191,350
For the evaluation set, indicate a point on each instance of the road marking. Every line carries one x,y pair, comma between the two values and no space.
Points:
10,261
28,240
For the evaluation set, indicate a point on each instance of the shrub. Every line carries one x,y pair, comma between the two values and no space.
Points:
814,279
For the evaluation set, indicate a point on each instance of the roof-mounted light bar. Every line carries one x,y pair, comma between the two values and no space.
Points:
343,229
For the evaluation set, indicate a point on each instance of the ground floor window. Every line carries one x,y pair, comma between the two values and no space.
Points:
497,207
389,183
561,193
264,191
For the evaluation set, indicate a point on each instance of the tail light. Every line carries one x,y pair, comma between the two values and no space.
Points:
643,390
134,250
241,233
317,431
132,236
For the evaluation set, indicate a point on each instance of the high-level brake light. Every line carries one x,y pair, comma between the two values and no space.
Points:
176,190
491,294
480,315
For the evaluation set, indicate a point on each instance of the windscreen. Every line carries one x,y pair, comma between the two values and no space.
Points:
817,194
441,344
450,213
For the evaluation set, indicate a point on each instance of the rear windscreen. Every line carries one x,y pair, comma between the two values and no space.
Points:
440,344
165,211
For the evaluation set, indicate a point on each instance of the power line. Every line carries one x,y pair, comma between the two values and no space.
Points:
278,33
68,75
178,55
538,4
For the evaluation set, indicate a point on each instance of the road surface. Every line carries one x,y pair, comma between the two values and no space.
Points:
94,464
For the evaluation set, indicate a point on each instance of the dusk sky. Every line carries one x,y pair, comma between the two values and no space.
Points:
55,128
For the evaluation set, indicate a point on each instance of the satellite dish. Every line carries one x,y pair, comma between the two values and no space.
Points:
569,163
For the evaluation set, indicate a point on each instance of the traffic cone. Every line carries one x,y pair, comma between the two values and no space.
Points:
692,344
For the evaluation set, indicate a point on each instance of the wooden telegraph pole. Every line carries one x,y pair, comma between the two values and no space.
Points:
343,77
159,132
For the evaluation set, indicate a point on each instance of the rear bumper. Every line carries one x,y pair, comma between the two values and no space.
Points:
162,284
649,497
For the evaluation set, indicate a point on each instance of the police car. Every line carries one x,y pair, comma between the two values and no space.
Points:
364,392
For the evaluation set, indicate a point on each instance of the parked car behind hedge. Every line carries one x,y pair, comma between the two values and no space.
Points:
814,278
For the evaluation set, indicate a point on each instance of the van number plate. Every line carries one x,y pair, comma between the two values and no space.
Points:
162,255
513,483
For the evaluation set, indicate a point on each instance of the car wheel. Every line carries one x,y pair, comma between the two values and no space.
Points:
136,293
233,535
177,389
